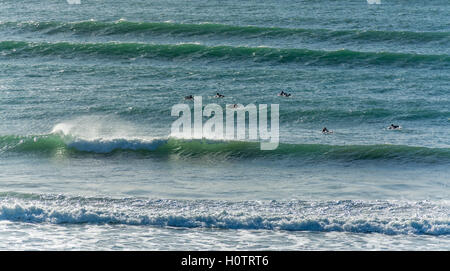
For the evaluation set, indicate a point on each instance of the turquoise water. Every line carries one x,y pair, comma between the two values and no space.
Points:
87,161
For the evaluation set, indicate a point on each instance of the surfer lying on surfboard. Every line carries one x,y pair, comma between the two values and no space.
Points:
326,131
394,127
284,94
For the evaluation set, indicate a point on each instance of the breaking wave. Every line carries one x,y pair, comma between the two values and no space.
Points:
385,217
66,144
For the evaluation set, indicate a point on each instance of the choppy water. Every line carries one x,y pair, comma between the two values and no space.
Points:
86,91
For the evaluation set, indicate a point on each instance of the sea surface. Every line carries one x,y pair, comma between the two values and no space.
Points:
87,161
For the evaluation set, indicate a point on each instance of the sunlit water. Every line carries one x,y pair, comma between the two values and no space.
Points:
86,92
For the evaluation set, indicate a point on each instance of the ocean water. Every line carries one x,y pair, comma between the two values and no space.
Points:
87,161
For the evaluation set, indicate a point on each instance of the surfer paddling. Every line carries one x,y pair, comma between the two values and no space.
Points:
284,94
394,127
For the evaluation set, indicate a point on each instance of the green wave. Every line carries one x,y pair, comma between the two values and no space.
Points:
65,145
95,28
216,53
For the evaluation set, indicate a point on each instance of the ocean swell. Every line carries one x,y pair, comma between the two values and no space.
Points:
116,50
127,28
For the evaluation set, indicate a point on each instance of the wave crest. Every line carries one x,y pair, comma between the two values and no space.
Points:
127,28
68,144
217,53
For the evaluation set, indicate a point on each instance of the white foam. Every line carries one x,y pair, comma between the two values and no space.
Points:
392,218
103,134
374,2
74,2
95,127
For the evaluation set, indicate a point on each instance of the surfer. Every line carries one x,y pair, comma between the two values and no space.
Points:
284,94
326,131
394,127
218,95
190,97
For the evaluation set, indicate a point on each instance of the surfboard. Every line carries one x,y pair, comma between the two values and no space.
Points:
397,128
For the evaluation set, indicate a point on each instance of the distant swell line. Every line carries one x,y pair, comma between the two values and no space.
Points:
95,28
215,53
312,115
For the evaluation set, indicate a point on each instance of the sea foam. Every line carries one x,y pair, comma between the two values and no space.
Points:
385,217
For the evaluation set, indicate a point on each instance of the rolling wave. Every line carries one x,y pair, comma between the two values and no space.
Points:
385,217
126,28
61,144
191,52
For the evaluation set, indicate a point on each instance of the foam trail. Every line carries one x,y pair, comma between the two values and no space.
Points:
374,2
74,2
